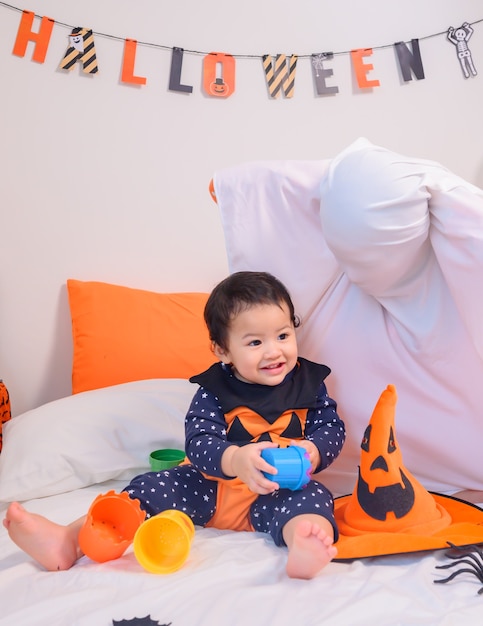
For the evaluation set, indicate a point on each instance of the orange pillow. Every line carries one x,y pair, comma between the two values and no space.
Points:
122,334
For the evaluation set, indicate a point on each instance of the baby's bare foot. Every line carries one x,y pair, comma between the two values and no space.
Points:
53,546
312,548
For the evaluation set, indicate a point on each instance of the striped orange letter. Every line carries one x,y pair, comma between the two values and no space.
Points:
280,75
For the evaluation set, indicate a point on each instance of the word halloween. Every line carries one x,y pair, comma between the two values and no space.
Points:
219,68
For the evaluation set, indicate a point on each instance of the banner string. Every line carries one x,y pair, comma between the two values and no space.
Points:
237,56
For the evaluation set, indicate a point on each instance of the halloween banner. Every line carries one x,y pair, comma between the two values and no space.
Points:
219,68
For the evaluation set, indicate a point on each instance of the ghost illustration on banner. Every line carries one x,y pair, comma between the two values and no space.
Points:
460,37
77,42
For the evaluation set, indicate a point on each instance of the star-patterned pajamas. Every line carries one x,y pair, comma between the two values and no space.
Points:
226,411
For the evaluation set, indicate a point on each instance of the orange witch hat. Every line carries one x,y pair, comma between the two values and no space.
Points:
389,511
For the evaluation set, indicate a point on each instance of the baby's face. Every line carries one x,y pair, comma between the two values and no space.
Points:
262,346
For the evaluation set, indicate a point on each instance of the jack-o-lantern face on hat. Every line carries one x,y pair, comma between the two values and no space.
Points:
387,496
383,486
389,511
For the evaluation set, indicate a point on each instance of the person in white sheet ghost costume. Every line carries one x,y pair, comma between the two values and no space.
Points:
383,256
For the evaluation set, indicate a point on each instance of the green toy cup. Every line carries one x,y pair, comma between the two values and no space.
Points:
165,458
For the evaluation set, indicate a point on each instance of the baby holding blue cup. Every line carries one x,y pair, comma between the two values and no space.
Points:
292,464
259,398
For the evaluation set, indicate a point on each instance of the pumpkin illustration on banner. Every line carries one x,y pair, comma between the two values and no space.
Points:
5,412
387,496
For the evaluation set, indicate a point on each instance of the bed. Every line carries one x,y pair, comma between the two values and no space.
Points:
383,257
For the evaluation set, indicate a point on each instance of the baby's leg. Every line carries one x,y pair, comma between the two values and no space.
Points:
53,546
293,519
182,487
310,545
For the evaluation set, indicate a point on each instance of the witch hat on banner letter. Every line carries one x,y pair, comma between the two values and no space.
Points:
389,511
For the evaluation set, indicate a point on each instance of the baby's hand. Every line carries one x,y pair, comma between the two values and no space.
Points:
312,450
247,463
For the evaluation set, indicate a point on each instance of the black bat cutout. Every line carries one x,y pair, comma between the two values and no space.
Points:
139,621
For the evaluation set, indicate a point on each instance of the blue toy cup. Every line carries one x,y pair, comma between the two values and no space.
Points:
293,466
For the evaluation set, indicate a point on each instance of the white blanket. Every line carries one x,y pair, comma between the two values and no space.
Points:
229,578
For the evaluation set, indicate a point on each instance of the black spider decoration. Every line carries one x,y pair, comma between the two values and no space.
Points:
139,621
467,555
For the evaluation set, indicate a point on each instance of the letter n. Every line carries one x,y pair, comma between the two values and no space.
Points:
409,60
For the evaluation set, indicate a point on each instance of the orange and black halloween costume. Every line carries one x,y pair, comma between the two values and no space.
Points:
226,411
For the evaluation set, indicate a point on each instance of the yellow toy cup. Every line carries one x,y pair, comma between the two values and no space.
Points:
162,543
110,526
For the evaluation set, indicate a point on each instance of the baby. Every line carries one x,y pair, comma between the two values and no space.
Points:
260,394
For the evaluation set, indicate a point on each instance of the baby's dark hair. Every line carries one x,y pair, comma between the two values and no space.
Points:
239,292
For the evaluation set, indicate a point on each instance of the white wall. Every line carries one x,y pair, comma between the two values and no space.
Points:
105,181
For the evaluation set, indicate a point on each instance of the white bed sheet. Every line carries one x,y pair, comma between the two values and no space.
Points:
229,578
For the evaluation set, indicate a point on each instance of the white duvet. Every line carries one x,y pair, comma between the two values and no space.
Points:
230,578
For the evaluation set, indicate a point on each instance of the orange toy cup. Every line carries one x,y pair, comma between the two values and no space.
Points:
110,526
162,543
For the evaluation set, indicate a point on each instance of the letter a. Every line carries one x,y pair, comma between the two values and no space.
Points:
81,49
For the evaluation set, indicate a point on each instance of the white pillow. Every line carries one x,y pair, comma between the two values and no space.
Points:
91,437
